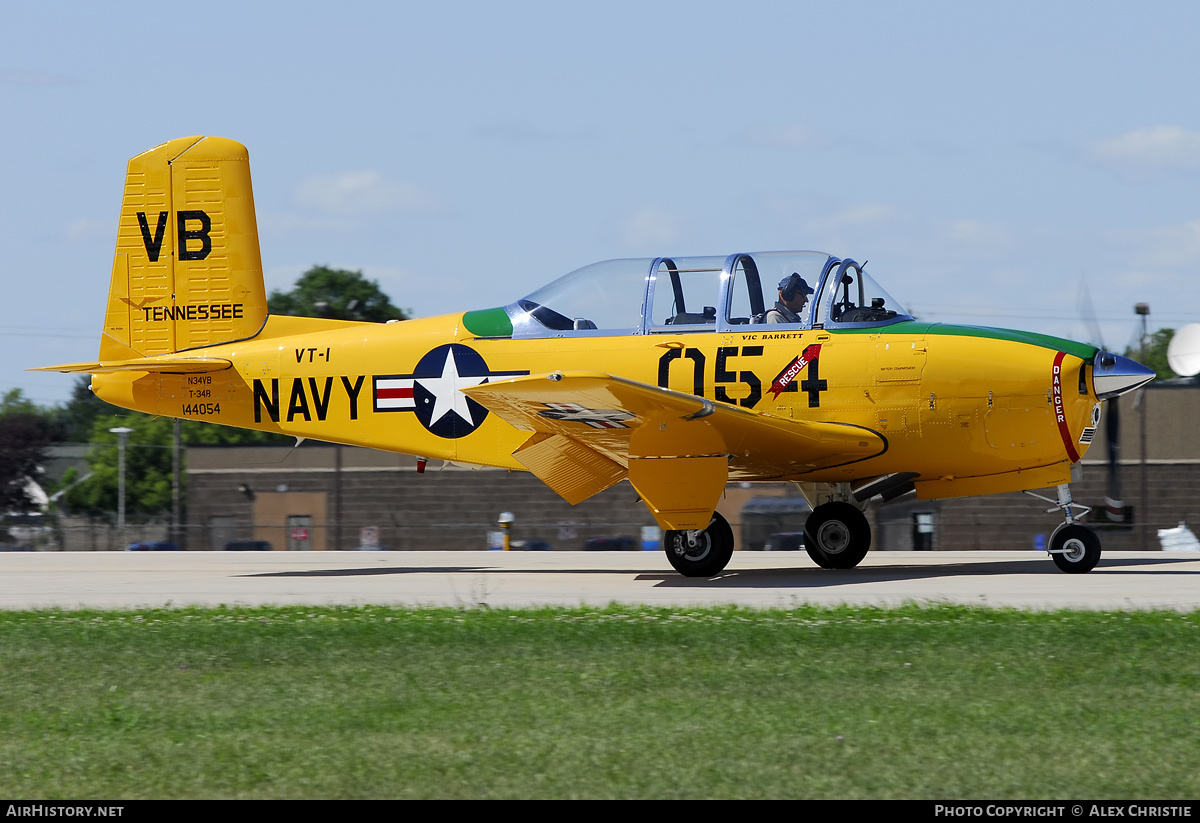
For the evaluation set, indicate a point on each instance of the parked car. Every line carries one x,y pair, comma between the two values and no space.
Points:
765,518
530,546
248,546
156,546
611,544
784,542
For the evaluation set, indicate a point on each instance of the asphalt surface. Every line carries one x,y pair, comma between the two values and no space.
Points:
129,580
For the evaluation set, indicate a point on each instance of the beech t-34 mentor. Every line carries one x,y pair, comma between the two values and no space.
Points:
673,373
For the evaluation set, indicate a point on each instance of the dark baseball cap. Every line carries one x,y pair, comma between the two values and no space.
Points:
800,286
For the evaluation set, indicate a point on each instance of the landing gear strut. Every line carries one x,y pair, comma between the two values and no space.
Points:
1074,547
700,552
837,535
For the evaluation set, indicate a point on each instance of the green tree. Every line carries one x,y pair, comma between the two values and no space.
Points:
337,294
25,432
196,433
80,412
147,468
147,462
1156,353
14,401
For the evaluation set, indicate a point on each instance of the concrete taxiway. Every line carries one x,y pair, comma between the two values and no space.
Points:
122,580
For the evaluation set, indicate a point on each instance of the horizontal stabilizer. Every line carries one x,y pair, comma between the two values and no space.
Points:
163,365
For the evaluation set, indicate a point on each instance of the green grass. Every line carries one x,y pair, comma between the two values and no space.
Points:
942,702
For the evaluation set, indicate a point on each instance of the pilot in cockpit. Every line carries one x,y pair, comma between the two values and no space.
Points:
793,296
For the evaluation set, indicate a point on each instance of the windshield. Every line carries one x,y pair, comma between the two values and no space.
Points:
605,295
851,297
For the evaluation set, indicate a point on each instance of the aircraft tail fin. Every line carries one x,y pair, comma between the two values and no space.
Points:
187,271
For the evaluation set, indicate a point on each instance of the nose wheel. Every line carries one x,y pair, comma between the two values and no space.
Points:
1074,547
700,552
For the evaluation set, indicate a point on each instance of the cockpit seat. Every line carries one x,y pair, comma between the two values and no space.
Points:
858,314
692,319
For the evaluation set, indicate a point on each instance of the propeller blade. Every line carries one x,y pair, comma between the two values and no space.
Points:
1114,506
1088,312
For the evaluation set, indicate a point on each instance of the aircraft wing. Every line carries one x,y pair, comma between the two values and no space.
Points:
591,430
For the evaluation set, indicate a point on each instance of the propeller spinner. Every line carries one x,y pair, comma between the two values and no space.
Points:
1114,375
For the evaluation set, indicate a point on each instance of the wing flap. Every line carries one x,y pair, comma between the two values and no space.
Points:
567,466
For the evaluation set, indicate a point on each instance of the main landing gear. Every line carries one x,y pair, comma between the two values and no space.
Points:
700,552
837,535
1074,547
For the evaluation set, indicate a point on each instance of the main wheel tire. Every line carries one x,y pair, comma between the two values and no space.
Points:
837,536
701,553
816,555
1075,548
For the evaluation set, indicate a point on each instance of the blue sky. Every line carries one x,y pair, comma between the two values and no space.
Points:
991,161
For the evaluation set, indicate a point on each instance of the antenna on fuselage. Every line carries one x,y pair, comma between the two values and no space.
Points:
283,459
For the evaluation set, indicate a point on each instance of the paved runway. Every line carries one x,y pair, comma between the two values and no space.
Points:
119,580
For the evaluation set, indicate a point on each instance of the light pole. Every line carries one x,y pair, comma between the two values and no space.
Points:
176,522
122,433
1142,310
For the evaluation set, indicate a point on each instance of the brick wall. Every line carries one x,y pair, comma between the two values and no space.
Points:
442,509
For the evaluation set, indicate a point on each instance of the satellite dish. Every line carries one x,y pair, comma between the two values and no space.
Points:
1183,354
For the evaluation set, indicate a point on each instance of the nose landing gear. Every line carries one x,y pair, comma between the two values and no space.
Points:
1074,547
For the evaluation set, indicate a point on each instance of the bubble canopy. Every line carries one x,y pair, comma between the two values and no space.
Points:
672,295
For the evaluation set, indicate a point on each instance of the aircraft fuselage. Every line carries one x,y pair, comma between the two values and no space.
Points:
951,402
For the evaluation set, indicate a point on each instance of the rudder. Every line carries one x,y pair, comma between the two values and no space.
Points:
187,271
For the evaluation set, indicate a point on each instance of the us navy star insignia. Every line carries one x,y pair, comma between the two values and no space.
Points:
434,390
447,397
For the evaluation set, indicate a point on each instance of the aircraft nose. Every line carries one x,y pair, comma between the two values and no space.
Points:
1113,375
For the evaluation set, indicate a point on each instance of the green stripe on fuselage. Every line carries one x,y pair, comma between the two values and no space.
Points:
1081,350
488,323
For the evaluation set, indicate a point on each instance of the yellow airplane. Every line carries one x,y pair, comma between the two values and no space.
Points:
678,374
